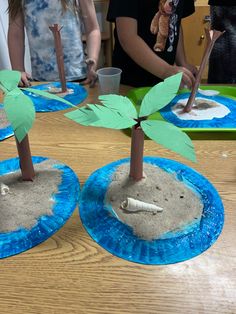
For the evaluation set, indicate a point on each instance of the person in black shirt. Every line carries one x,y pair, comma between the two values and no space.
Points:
147,57
222,63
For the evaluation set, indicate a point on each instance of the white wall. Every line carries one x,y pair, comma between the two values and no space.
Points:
4,57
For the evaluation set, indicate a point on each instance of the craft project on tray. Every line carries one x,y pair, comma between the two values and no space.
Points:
5,127
202,109
72,92
212,113
148,210
215,112
33,190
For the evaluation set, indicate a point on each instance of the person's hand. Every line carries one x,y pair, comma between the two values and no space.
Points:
25,79
91,73
188,79
192,68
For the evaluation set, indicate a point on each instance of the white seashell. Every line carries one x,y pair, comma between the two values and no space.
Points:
133,205
4,189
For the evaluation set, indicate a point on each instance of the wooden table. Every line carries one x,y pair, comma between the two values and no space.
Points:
70,273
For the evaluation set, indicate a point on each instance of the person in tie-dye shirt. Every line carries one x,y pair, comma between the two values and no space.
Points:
35,16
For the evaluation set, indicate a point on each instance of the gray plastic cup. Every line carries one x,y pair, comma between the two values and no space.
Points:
109,80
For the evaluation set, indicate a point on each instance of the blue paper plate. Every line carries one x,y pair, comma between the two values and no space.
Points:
48,105
118,238
228,122
66,200
5,132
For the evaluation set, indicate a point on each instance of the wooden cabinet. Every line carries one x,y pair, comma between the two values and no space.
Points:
194,34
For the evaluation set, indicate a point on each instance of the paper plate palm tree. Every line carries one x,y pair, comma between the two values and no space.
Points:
118,112
21,114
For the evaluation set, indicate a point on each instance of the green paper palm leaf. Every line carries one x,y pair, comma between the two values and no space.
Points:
9,80
110,119
120,104
48,95
84,116
160,95
19,107
100,116
170,137
20,113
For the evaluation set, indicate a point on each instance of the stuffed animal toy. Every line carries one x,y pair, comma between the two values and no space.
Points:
160,24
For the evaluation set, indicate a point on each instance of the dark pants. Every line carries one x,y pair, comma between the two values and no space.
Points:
222,62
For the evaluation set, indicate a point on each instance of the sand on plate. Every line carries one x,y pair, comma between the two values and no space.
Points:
181,205
27,201
4,123
203,109
57,91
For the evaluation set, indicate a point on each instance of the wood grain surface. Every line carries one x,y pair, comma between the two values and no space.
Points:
70,273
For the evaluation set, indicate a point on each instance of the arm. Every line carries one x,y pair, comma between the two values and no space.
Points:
180,59
16,46
143,55
93,37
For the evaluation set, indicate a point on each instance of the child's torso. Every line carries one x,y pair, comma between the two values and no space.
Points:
39,14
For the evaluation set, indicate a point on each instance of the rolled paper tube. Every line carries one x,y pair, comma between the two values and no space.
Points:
212,36
136,159
4,189
133,205
56,29
26,164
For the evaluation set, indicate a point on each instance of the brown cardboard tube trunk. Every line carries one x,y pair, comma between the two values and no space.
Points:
26,164
211,37
55,28
136,160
